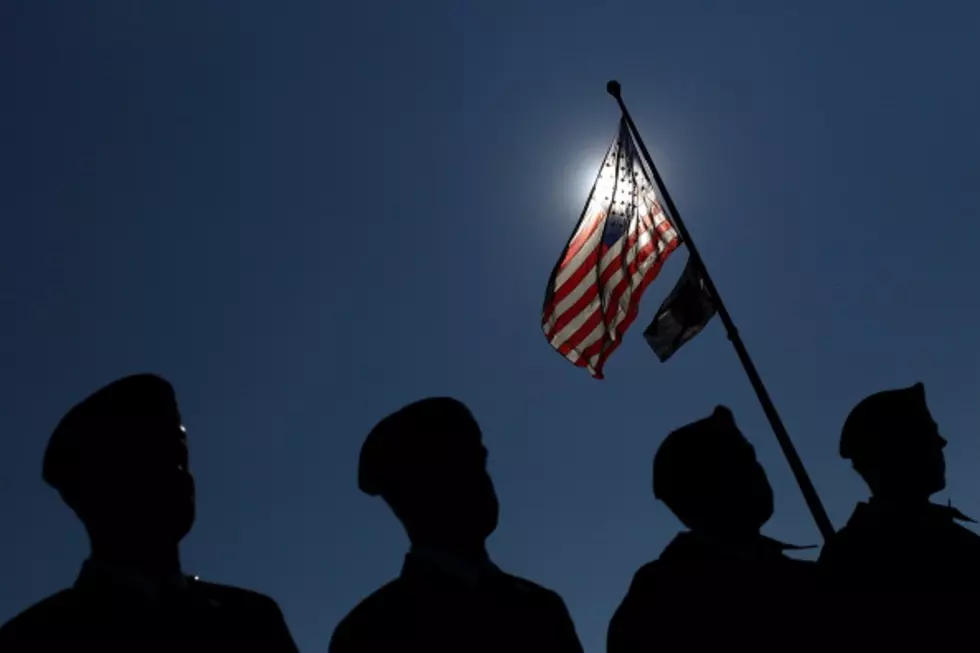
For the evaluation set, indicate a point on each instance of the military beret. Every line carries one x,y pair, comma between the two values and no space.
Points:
880,416
691,451
408,439
91,429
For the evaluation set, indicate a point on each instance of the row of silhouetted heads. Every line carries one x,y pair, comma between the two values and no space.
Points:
119,459
130,435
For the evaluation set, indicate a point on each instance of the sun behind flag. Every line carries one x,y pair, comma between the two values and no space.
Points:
617,249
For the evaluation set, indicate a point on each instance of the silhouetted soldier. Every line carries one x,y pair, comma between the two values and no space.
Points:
898,540
427,461
119,460
721,584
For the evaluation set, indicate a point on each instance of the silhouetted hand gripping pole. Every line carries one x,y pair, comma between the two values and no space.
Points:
799,471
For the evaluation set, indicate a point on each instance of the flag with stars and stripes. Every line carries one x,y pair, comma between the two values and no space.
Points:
617,249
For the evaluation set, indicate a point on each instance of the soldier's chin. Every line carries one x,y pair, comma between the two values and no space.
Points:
762,517
490,528
480,526
765,506
180,522
187,523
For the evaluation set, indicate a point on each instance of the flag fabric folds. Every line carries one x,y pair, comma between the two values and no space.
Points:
617,249
687,309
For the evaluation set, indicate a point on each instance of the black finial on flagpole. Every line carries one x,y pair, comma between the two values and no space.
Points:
614,89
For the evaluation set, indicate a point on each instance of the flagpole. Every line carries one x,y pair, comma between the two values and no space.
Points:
795,463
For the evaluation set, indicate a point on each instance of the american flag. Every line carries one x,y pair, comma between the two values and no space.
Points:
617,249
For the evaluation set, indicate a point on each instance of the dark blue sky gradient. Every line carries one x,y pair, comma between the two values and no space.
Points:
307,214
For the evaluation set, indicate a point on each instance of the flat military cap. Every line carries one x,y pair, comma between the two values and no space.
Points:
89,431
409,439
692,450
879,418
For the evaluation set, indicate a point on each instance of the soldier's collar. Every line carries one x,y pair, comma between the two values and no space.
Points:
100,573
748,548
926,510
448,564
956,514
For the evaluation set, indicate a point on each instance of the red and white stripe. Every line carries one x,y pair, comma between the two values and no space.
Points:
596,289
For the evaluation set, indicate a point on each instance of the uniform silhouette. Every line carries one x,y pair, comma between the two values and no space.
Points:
899,540
119,459
720,584
428,462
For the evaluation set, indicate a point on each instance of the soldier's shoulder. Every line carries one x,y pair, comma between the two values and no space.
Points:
859,526
388,595
39,618
796,573
650,572
967,535
234,597
368,615
533,591
651,568
635,608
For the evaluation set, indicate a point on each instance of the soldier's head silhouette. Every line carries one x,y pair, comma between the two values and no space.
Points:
707,474
893,442
428,462
119,459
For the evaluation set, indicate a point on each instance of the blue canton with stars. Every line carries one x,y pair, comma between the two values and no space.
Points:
614,229
622,169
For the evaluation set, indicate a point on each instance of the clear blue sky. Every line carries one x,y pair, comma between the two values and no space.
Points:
307,215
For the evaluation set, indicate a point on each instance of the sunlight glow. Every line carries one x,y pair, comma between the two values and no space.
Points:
585,174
